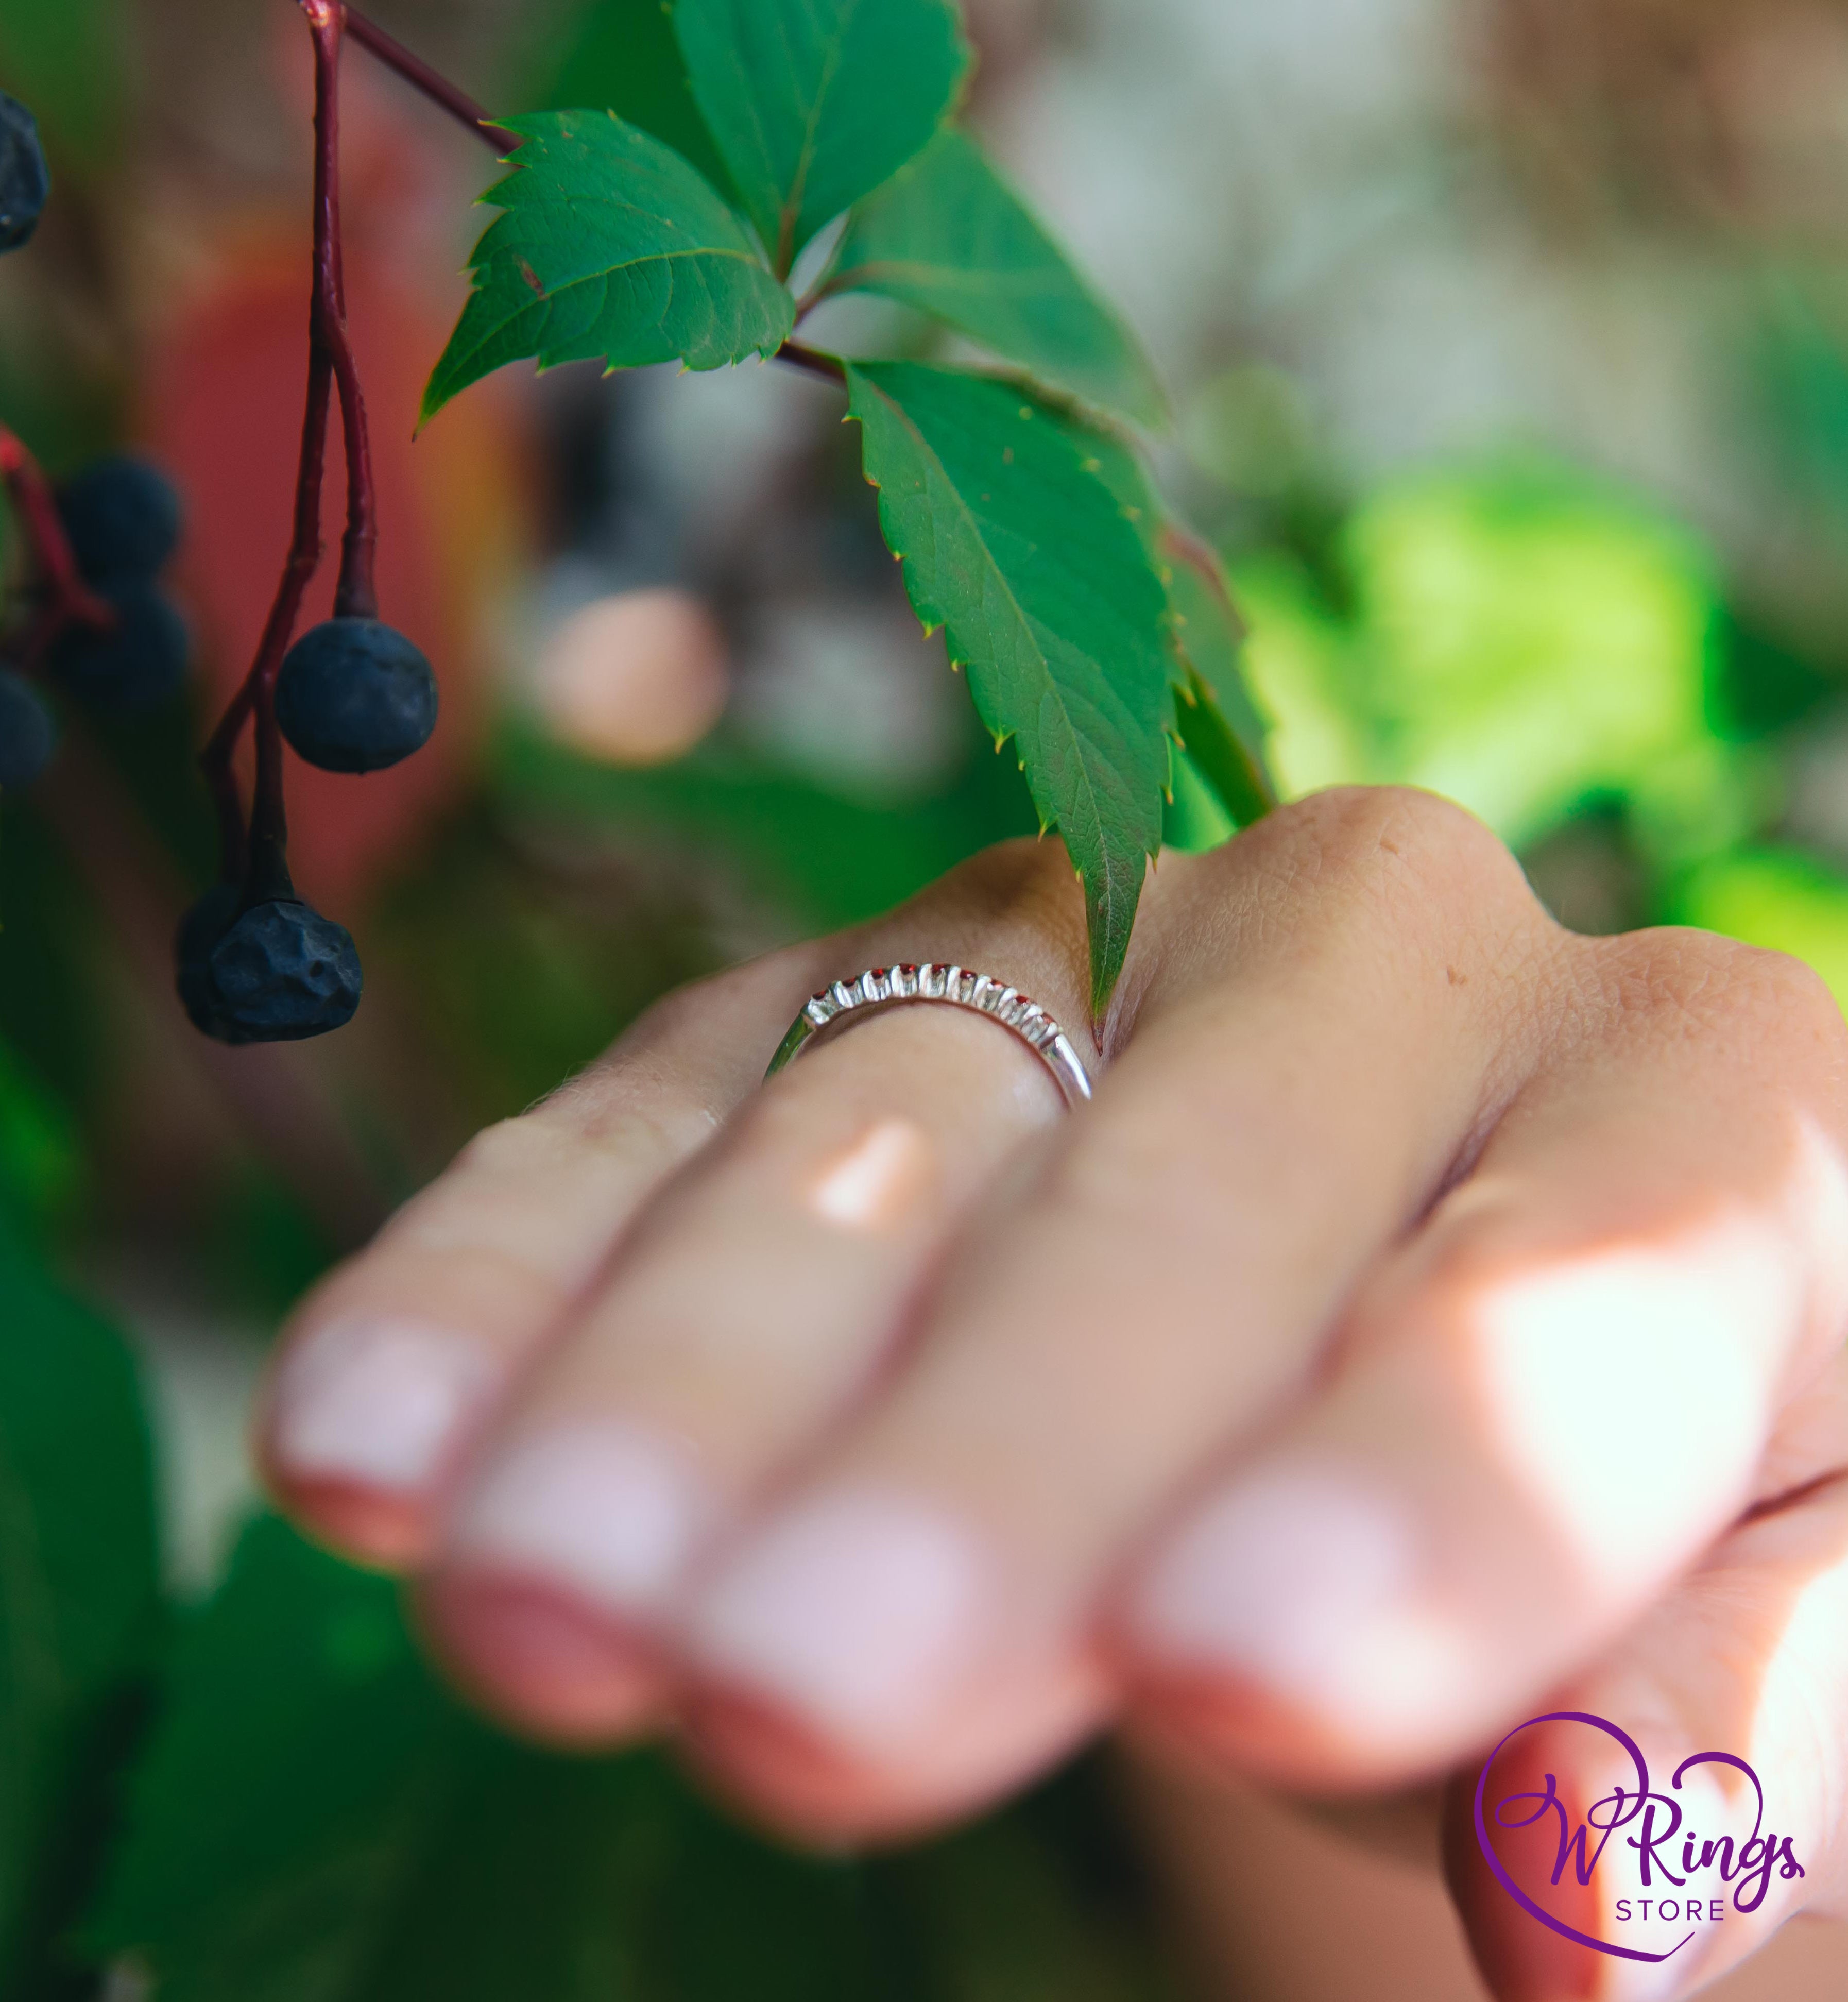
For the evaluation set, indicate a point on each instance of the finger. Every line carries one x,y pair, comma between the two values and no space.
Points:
1544,1405
393,1362
1747,1658
750,1306
908,1632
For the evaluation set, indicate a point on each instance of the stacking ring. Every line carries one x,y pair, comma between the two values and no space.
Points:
880,988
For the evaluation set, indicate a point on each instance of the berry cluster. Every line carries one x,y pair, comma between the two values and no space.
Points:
93,618
59,611
255,962
121,519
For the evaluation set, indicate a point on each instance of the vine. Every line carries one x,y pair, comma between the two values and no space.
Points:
1096,632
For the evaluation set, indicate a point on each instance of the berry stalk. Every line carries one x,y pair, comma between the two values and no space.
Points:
357,595
330,364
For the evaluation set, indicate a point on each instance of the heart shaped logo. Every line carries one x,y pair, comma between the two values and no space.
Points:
1602,1858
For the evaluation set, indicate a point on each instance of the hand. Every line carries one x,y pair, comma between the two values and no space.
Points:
1435,1319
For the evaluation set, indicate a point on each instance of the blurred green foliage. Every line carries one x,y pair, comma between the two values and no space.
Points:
1517,638
41,1150
315,1817
79,1605
1779,897
69,59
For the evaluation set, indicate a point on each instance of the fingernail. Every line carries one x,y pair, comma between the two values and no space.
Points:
605,1509
542,1658
862,1611
1311,1585
378,1404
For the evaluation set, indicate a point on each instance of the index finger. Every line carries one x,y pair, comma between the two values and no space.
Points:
392,1363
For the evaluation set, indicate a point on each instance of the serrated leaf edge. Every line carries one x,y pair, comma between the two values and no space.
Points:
1098,900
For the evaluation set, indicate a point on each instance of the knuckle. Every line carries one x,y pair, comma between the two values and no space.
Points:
1395,843
1021,892
510,1148
667,1023
1401,877
636,1112
1022,882
1700,985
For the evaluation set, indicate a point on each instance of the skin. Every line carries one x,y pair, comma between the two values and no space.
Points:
1434,1320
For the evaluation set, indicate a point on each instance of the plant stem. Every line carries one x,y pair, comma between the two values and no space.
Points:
258,691
421,77
71,601
357,595
259,848
816,364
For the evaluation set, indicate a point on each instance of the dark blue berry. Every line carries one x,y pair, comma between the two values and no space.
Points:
122,519
137,664
355,696
200,931
28,736
25,180
283,972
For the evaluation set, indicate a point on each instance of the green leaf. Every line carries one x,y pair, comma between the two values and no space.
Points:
1221,729
1220,724
621,55
613,248
1194,820
298,1722
1215,750
815,102
78,1585
947,235
1013,544
316,1821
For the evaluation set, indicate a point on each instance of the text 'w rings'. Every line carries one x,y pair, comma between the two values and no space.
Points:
880,988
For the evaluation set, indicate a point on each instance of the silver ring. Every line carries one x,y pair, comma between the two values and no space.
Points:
880,988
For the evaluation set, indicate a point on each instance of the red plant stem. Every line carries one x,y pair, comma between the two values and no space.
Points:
357,595
259,689
816,364
330,358
72,600
420,76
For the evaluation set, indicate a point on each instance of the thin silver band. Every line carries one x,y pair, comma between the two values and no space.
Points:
880,988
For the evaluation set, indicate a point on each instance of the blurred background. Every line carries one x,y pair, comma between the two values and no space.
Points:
1507,347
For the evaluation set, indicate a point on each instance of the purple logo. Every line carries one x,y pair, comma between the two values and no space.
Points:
1669,1871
